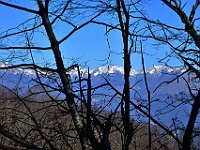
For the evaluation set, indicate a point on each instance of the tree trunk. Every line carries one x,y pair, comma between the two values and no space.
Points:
187,138
64,78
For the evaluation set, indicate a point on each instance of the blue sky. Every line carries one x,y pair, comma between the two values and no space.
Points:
89,45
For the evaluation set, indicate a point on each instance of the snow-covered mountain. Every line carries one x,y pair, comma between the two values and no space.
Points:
114,74
170,92
155,76
112,69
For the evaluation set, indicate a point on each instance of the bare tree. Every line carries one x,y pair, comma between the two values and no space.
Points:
93,127
47,19
184,44
187,50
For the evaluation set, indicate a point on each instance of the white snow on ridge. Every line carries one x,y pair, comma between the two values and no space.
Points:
108,70
163,69
111,69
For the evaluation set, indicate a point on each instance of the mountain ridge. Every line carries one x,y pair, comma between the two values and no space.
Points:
24,79
110,69
107,69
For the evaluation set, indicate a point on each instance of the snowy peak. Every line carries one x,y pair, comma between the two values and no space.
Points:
164,69
108,70
112,69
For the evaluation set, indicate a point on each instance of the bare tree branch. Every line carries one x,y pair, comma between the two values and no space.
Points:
19,7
